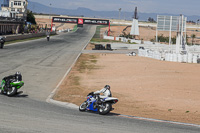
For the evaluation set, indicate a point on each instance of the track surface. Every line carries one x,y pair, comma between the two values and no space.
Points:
43,65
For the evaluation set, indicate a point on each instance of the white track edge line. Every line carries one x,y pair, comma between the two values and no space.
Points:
161,121
50,97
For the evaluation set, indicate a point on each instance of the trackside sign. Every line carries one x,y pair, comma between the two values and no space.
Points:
81,21
65,20
96,21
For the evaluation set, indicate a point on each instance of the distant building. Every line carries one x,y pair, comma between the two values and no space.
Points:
17,8
4,14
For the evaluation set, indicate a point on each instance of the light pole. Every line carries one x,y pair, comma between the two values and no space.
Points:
119,19
49,15
119,12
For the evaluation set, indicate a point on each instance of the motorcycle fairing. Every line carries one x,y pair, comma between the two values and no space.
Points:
17,84
91,107
2,84
91,102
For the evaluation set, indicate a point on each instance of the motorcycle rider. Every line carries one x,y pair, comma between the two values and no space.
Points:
48,35
106,93
16,77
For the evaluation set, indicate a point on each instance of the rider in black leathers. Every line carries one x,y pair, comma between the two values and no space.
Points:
48,35
15,77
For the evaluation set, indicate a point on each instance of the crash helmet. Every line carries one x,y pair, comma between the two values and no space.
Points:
18,73
18,76
107,87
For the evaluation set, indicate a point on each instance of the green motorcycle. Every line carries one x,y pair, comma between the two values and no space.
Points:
11,88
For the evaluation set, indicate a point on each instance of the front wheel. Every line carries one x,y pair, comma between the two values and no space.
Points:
105,108
2,87
83,106
11,91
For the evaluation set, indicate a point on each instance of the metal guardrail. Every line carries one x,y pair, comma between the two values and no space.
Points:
9,19
26,36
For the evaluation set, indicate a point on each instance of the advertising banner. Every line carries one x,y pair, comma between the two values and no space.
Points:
81,21
65,20
96,21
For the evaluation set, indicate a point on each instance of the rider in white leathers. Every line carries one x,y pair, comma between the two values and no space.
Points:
106,93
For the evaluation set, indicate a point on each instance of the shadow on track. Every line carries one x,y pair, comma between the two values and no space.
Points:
113,114
109,114
18,95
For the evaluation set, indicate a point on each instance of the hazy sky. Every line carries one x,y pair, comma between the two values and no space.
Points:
186,7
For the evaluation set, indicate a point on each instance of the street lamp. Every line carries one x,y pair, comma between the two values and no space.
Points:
49,15
119,20
50,10
119,12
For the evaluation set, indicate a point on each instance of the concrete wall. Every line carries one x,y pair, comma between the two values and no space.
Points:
10,26
26,36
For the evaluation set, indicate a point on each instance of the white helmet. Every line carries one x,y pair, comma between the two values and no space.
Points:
18,73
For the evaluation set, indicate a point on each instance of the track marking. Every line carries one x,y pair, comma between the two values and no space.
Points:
50,97
160,121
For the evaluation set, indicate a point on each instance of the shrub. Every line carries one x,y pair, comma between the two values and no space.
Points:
162,38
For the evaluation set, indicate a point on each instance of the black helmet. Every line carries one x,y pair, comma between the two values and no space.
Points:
107,87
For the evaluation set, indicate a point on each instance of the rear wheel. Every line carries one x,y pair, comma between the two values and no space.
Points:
1,45
105,108
1,91
83,106
11,91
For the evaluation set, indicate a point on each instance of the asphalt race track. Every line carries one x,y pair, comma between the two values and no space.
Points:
43,64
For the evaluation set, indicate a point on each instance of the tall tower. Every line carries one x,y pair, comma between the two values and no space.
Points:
135,27
135,14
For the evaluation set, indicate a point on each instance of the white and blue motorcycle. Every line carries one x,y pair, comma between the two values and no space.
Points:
103,106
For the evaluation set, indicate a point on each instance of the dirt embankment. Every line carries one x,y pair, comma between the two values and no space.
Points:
145,87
